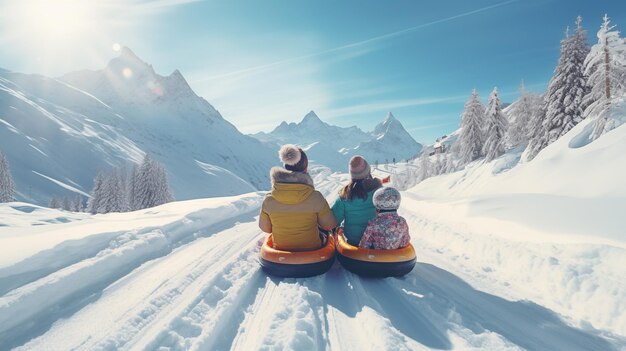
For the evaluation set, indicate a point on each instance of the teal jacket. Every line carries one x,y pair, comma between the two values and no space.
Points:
355,214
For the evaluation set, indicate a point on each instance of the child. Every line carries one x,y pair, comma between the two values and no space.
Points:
387,231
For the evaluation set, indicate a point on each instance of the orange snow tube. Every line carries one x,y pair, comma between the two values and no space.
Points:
296,264
375,263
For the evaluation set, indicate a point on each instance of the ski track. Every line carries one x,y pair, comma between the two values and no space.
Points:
209,293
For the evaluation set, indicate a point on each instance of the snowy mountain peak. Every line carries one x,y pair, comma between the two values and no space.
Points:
333,146
312,120
389,125
129,65
389,118
129,79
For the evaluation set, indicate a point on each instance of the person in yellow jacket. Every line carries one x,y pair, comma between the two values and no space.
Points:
294,212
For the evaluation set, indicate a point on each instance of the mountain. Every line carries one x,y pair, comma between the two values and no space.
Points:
333,146
57,133
390,140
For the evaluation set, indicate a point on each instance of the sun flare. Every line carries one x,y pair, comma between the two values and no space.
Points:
57,22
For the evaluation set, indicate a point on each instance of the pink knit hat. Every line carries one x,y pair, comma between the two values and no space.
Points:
359,168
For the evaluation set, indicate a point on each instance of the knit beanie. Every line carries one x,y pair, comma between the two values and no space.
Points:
386,198
293,158
359,168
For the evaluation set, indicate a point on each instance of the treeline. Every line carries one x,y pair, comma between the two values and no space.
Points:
118,190
588,83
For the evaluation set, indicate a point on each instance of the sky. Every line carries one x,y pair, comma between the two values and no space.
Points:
263,62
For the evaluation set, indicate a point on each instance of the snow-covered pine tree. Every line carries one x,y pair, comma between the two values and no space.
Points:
124,182
568,86
132,188
520,115
537,133
110,200
471,137
54,203
438,166
94,204
424,166
449,164
65,205
152,188
495,127
77,204
606,68
164,193
7,186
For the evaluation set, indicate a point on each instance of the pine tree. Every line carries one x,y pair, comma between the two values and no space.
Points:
520,115
77,204
496,126
449,164
112,194
132,189
65,205
568,86
424,166
151,188
538,134
54,203
606,67
471,137
7,186
94,204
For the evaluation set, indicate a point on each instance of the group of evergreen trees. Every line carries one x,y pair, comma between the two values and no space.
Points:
145,187
75,205
585,84
483,130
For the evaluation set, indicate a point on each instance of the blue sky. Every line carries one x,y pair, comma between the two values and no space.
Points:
262,62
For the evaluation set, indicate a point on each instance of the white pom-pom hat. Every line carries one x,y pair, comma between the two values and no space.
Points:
386,198
293,158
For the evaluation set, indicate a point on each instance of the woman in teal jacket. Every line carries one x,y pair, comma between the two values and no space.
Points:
354,206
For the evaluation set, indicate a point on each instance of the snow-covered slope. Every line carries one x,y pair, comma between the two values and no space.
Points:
551,229
57,132
185,276
333,146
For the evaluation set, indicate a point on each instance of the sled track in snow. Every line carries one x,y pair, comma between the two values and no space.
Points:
210,294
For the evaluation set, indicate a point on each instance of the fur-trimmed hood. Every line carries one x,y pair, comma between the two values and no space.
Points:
281,175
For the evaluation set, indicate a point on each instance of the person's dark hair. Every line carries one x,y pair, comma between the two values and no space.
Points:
358,188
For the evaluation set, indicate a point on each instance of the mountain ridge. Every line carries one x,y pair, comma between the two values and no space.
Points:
333,146
62,130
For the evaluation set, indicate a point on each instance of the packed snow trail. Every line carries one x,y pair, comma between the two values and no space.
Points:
201,288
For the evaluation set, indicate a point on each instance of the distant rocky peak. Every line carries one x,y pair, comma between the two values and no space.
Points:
311,120
389,118
389,125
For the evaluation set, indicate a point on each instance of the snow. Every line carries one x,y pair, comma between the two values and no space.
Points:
499,268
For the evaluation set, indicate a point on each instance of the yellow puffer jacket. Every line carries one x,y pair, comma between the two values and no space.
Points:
294,210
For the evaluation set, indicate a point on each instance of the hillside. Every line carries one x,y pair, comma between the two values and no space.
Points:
57,133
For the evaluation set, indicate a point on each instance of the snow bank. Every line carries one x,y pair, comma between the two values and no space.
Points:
59,274
550,230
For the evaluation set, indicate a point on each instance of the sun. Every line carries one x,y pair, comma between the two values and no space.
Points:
53,22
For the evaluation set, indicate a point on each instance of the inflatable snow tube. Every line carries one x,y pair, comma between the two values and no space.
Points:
297,264
375,263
